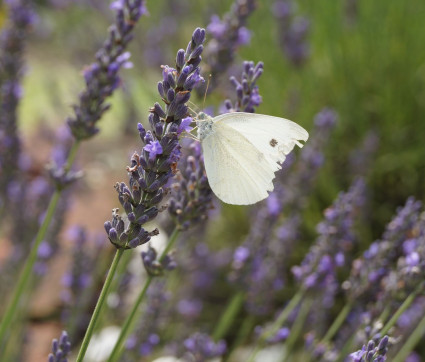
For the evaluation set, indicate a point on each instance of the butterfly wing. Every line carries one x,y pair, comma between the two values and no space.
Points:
237,172
273,136
244,151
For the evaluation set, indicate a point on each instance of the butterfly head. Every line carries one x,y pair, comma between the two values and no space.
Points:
205,125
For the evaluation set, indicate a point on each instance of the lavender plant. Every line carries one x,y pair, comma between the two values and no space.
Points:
60,349
227,35
293,31
13,40
371,352
150,171
146,336
191,196
201,347
248,96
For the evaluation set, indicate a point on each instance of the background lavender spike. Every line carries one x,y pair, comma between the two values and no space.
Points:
373,351
60,349
381,256
147,334
80,282
409,268
151,170
191,195
332,249
102,76
12,68
293,31
247,94
227,35
201,347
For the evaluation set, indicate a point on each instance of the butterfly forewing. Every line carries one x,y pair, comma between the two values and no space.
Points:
273,136
229,161
243,152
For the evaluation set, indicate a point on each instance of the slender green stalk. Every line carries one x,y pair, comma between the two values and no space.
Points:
337,322
346,348
99,304
406,304
297,328
229,315
283,316
243,332
26,273
25,276
131,320
411,342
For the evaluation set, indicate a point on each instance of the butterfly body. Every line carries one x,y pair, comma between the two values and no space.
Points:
242,152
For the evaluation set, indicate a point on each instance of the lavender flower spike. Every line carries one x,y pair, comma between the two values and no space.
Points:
60,349
228,34
248,96
12,46
200,347
191,196
151,170
102,76
371,352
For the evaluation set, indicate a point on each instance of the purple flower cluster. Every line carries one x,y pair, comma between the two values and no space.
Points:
248,96
80,279
155,266
152,169
331,251
102,76
191,195
60,349
381,257
12,46
293,31
409,271
371,352
146,336
200,347
59,156
227,35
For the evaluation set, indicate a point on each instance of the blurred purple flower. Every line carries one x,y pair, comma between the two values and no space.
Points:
293,32
227,35
201,347
60,349
102,76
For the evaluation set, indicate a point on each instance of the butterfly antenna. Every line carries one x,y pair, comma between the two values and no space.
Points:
193,111
206,91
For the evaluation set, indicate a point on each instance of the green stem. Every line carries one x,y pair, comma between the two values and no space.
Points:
243,333
229,315
277,324
25,276
337,323
99,304
406,304
348,345
130,320
297,328
411,342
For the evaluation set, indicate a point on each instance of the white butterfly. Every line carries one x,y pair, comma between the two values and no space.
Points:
242,152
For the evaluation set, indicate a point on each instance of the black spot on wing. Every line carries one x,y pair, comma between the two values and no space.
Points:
273,142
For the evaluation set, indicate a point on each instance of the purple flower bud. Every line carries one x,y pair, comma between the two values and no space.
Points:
180,59
185,125
154,148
